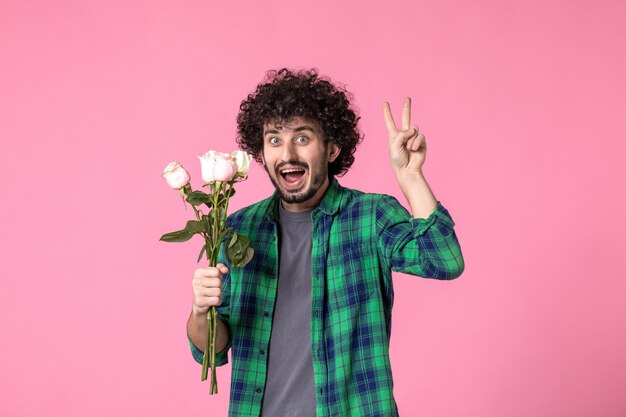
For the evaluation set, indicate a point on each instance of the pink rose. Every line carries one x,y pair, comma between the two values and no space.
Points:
175,175
217,166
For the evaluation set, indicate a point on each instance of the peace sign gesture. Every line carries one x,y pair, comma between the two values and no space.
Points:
407,146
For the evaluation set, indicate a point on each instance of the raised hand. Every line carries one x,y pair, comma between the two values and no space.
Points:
407,146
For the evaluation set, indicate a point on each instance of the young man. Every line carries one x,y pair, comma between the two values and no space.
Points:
309,318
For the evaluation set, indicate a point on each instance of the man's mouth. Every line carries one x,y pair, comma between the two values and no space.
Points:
292,176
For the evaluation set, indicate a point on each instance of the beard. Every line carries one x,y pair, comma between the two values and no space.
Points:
317,175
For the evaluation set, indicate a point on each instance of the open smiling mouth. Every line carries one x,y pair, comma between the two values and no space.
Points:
293,177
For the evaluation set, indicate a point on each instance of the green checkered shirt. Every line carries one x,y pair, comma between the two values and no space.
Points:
358,239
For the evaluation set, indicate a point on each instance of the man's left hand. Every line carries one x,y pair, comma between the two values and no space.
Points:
407,146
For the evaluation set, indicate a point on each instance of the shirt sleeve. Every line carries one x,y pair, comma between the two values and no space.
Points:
221,358
425,247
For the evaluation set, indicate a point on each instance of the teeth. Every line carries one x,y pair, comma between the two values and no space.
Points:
287,171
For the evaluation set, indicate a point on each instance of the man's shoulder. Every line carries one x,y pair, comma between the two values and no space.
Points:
355,195
252,213
357,199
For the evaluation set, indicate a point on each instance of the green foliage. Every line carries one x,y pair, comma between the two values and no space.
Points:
201,253
178,236
191,228
197,198
238,250
194,226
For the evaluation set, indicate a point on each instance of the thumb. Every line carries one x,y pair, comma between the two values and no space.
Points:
398,141
223,268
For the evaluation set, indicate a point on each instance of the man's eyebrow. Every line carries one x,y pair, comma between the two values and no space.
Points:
297,129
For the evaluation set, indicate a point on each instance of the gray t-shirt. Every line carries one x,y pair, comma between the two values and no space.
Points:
290,385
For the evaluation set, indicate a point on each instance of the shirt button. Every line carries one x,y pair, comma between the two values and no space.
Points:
262,352
258,390
266,314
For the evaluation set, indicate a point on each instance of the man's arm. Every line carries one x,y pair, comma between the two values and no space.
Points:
417,193
427,247
407,153
197,332
430,234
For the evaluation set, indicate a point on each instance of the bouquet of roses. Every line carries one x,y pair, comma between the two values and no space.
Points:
220,172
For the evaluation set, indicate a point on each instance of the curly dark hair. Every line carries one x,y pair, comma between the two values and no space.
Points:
286,94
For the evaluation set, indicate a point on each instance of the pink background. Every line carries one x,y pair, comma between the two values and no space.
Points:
523,105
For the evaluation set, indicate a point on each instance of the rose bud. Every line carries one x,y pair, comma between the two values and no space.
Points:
175,175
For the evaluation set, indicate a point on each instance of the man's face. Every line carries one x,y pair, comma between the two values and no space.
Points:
296,157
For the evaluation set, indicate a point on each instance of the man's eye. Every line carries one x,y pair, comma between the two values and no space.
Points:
302,139
273,141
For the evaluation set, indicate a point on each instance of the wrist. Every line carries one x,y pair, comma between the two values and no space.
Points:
409,177
198,315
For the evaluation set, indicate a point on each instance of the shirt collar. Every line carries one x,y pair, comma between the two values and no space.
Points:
331,201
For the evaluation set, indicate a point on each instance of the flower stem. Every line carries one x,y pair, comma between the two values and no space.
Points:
211,244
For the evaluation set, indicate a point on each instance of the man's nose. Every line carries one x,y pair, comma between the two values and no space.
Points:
289,152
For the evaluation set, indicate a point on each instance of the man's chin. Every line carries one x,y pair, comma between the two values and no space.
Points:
295,196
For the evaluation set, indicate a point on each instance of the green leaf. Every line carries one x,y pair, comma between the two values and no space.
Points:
237,250
177,236
194,226
201,253
197,198
243,259
206,221
247,257
230,192
244,240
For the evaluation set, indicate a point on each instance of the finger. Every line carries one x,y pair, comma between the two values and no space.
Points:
409,144
208,283
406,113
212,271
223,268
391,125
401,138
214,283
210,292
214,301
419,142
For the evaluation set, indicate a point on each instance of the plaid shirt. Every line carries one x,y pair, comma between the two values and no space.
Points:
358,239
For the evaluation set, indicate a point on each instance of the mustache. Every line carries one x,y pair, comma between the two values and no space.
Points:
292,163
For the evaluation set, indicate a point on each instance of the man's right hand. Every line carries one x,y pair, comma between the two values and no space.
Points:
207,288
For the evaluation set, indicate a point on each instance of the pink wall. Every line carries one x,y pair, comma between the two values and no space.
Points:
523,107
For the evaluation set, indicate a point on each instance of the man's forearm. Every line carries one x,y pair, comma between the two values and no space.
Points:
418,194
197,331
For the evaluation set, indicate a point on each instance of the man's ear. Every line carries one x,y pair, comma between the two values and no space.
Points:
333,151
